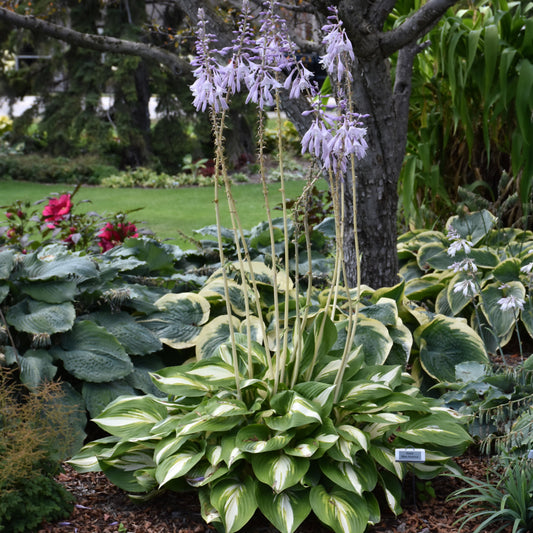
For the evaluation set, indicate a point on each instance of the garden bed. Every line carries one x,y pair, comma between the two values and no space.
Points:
101,507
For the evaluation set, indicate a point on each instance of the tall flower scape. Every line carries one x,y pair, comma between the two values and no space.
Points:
297,398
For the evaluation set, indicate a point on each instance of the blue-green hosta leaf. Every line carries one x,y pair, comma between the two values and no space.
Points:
51,291
502,321
341,510
131,416
98,395
4,291
178,464
278,470
527,317
257,438
215,289
55,261
433,255
179,320
402,343
435,428
140,379
294,411
426,287
456,299
7,262
32,316
136,339
472,226
286,510
36,367
235,502
508,270
214,334
385,310
444,342
90,353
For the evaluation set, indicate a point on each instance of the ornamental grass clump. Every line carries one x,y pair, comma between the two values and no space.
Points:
302,406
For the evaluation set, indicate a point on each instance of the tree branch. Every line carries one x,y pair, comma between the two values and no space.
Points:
100,43
414,27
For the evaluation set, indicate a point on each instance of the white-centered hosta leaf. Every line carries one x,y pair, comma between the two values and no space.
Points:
131,416
353,434
235,502
341,510
286,510
178,464
258,438
295,411
278,470
175,381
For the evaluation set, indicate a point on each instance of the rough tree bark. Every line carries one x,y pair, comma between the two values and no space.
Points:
378,94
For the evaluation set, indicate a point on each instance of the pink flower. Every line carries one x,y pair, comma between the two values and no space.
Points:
111,235
57,209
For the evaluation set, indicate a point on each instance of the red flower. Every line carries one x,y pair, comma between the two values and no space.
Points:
111,235
57,209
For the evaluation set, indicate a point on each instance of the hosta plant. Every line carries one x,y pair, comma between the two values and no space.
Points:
291,405
288,452
475,271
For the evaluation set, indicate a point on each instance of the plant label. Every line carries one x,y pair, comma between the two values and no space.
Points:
410,455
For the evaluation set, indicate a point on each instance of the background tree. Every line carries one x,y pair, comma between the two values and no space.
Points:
381,93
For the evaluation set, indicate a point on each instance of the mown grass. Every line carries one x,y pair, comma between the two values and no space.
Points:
166,212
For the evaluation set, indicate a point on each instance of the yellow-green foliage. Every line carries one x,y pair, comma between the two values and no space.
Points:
6,124
33,435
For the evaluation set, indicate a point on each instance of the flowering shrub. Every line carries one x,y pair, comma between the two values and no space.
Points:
28,227
116,233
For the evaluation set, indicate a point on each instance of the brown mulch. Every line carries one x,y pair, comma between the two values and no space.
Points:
103,508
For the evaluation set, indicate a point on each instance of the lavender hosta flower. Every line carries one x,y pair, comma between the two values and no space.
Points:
299,81
458,245
526,269
467,287
511,302
316,140
466,265
339,50
207,89
261,85
348,139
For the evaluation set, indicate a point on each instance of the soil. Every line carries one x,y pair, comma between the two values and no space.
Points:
103,508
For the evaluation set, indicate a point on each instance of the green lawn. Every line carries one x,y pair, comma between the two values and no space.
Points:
164,211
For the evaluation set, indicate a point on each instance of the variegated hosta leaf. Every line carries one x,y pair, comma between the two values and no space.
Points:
392,487
435,428
321,394
174,381
257,438
194,423
295,411
287,510
33,316
178,464
358,478
390,375
278,470
235,502
215,288
167,446
353,434
386,458
472,226
230,452
203,473
341,510
360,391
402,343
86,460
98,396
179,321
213,335
131,416
343,450
305,448
502,322
445,342
208,512
121,470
